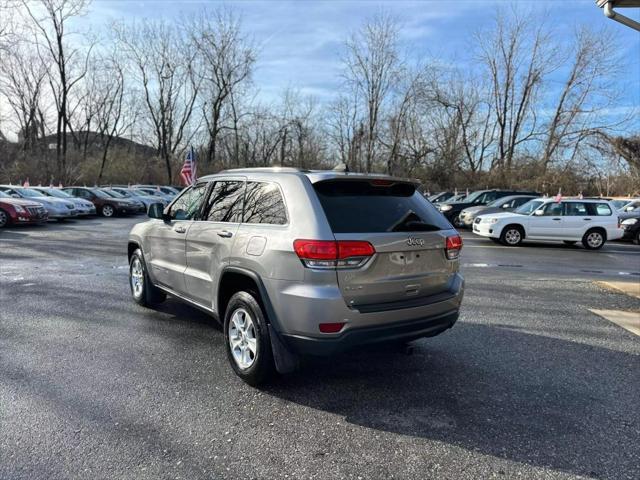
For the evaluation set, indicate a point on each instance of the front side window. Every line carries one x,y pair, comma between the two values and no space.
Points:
575,209
225,202
187,206
264,204
553,209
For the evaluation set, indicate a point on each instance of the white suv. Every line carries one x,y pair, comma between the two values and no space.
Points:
569,220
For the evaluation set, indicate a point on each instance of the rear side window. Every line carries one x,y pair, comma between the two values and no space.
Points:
575,209
602,209
263,203
366,207
225,202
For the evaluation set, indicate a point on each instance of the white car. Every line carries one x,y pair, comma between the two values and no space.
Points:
570,220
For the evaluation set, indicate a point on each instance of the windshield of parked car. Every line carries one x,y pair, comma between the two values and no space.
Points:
113,193
369,207
500,201
4,195
28,192
619,203
54,192
529,207
101,194
473,196
122,192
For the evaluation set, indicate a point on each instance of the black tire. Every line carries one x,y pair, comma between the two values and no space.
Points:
569,242
147,294
5,219
261,367
637,239
107,211
590,239
512,235
455,221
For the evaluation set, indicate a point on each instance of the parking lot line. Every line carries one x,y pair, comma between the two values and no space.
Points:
628,320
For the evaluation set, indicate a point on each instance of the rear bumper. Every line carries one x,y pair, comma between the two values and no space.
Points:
394,332
300,308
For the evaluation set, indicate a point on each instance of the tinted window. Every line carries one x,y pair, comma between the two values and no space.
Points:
553,209
575,209
187,206
83,193
263,203
361,207
225,202
603,209
520,201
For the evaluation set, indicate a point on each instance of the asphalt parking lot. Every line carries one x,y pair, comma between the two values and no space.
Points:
528,384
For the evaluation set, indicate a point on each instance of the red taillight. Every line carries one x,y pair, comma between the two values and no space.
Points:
452,246
332,254
331,327
316,249
351,248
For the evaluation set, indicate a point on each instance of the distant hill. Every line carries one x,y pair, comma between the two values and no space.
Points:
94,143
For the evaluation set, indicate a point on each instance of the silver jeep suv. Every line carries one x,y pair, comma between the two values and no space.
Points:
296,262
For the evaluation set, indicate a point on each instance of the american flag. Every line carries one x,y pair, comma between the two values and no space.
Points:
188,172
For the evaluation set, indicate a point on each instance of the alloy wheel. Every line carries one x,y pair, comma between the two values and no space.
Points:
107,211
594,239
242,338
513,236
137,277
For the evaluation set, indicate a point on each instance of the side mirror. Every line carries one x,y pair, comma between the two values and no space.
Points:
538,213
156,211
15,195
506,205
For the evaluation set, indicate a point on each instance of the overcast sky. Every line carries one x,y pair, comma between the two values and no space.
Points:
301,41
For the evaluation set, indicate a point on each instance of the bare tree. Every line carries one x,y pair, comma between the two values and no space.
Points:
516,57
371,66
225,62
580,108
50,19
162,60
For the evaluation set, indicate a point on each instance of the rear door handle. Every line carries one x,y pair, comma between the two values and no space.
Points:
225,234
587,219
557,219
179,229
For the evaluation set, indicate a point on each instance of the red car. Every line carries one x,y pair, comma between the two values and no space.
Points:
20,211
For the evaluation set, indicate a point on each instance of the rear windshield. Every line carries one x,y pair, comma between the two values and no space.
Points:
363,207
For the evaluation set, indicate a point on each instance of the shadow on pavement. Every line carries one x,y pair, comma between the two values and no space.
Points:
522,397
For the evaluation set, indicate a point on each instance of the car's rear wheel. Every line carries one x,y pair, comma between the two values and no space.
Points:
594,239
637,239
143,291
569,242
107,211
512,235
4,219
247,339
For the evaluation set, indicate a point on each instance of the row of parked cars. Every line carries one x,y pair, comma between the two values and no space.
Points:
510,216
35,205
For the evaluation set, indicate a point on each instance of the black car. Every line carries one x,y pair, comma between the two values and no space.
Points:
631,227
452,210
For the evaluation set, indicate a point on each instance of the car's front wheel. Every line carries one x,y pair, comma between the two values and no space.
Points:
637,239
107,211
512,235
247,339
143,291
594,239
